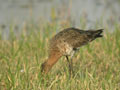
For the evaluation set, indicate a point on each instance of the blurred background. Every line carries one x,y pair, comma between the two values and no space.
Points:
26,27
89,12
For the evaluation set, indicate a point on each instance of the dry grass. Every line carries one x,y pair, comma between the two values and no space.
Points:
96,65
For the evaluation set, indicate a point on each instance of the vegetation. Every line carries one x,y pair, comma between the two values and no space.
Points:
96,65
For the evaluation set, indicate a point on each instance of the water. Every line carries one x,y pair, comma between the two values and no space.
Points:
21,11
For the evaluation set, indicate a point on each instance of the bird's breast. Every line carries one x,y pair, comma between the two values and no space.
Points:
65,48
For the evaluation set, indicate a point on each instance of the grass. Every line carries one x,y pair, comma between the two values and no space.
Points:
96,65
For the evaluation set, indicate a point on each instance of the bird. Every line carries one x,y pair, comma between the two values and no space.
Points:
66,43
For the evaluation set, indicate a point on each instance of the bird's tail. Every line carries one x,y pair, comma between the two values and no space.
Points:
97,33
93,34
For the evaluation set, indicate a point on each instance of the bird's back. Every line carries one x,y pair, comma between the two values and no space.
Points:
73,38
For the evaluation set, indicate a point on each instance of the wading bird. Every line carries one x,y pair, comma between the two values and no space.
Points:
66,43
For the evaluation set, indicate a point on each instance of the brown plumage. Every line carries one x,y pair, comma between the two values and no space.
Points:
66,42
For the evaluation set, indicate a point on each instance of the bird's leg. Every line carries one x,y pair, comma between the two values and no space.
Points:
70,65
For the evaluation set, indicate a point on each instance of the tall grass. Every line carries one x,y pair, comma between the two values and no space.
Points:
96,65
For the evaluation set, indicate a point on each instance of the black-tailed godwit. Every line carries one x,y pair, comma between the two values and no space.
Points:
66,42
